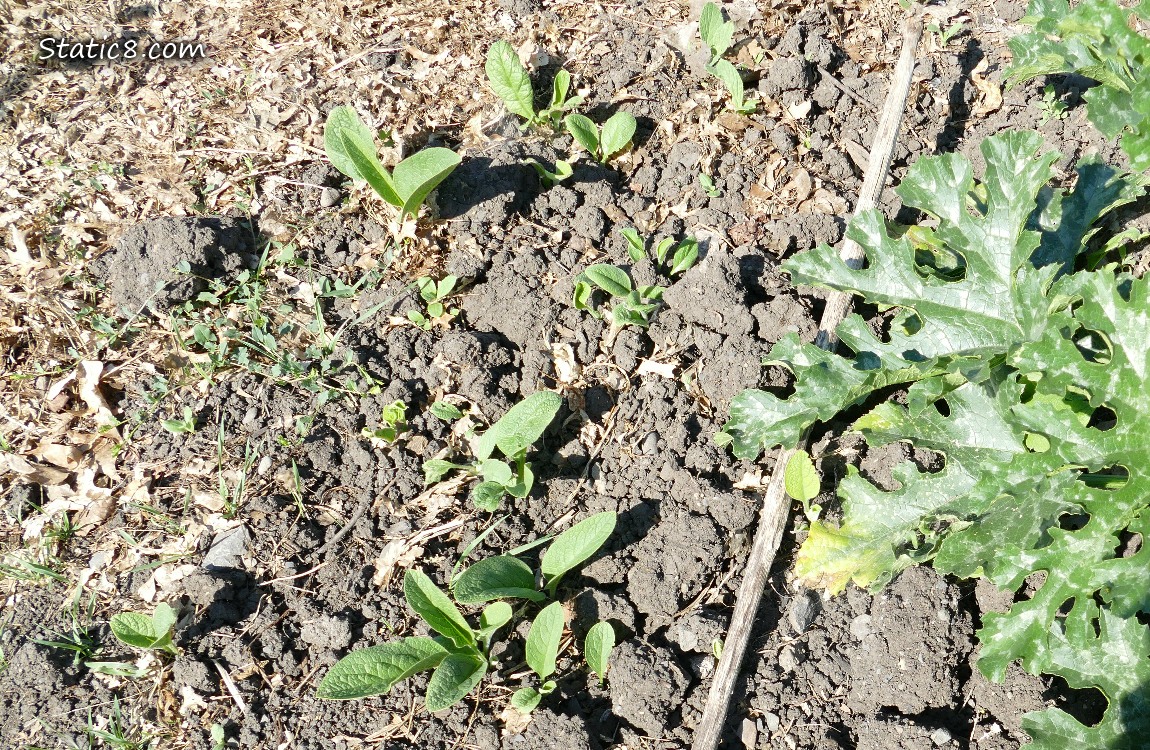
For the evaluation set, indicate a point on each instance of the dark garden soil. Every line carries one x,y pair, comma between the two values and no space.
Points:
273,598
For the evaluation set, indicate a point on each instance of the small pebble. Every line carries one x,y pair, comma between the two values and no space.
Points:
772,721
329,197
860,627
940,737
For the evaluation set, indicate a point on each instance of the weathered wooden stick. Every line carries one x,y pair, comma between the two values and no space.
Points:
776,505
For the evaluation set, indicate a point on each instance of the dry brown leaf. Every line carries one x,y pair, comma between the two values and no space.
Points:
88,376
651,367
34,473
514,721
64,456
990,91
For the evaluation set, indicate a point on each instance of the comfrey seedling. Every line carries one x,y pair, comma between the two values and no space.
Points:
801,482
602,142
350,147
433,294
512,435
152,633
550,179
511,83
631,306
683,254
718,34
459,656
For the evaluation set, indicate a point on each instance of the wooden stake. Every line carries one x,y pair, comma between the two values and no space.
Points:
776,505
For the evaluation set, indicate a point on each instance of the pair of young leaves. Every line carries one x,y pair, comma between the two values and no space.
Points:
511,83
718,35
459,655
350,147
512,434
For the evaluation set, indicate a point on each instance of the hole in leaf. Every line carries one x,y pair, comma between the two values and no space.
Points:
1086,705
1103,418
1073,521
1092,345
943,407
940,262
1129,544
1111,478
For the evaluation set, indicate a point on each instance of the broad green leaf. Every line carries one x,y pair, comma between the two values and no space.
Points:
419,174
636,248
729,76
575,545
494,470
521,486
664,247
559,88
496,578
486,495
716,33
375,670
617,133
521,426
597,648
611,279
509,80
494,616
525,700
453,679
446,412
434,606
584,132
686,254
542,647
143,631
800,478
437,469
350,147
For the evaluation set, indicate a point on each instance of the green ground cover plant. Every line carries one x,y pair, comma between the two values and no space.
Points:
511,435
511,83
602,142
350,147
149,632
718,34
1094,39
433,293
460,655
1026,369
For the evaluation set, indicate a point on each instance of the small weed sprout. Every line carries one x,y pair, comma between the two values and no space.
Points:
801,482
393,424
350,147
149,632
945,34
433,294
602,142
708,186
511,435
460,655
718,34
1053,108
511,83
550,179
186,424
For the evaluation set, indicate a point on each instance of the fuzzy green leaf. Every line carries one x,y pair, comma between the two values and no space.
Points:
611,279
509,80
576,545
617,133
143,631
521,426
496,578
597,648
729,76
800,478
377,669
716,33
350,147
583,131
453,679
434,606
419,174
542,647
525,700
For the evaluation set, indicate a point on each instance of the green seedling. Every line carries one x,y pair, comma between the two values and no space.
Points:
684,254
184,425
801,481
945,34
351,149
631,306
1053,108
512,435
393,423
82,646
151,633
433,294
597,648
550,179
1008,351
511,83
708,186
445,411
718,34
460,655
602,143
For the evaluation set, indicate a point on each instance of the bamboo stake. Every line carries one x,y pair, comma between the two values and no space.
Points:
776,505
